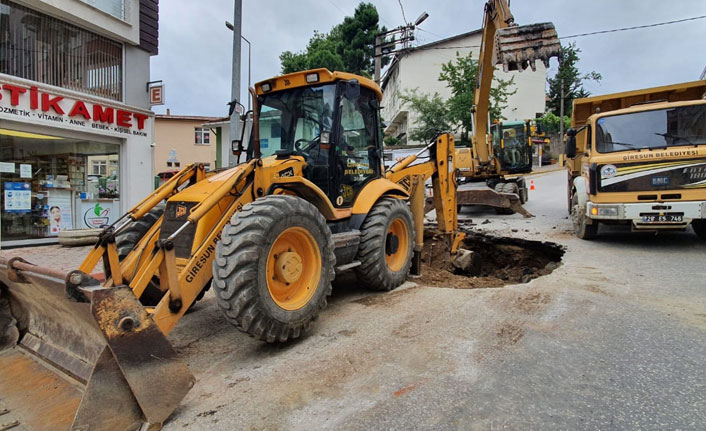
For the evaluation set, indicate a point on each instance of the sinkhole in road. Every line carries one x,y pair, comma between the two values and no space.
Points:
498,261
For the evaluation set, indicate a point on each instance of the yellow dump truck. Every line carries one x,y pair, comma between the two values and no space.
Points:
638,158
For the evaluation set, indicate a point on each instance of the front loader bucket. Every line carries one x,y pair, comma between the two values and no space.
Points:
75,355
518,47
489,197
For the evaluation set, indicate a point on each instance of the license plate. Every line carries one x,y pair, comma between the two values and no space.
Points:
662,218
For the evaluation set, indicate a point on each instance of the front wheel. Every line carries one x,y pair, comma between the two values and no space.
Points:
700,228
386,245
581,227
273,268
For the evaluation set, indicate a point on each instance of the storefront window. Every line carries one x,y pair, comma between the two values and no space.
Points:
52,183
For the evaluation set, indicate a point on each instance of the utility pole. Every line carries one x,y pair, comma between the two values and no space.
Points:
406,33
561,113
235,80
378,57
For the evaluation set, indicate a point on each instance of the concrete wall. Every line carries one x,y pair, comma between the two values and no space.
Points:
136,76
421,67
178,134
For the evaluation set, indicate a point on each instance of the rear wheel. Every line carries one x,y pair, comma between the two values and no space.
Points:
386,245
699,227
578,217
273,268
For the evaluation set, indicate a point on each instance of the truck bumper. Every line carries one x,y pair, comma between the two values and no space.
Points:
649,215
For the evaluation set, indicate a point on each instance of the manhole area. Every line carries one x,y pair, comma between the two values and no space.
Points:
498,261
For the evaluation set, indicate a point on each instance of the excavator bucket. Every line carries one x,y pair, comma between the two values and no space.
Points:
518,47
78,356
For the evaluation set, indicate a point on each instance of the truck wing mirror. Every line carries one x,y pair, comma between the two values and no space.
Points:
236,147
571,143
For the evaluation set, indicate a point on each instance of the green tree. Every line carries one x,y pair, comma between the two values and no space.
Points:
348,47
460,76
550,122
435,114
568,74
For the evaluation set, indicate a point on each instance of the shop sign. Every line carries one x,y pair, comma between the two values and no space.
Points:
156,93
98,214
35,104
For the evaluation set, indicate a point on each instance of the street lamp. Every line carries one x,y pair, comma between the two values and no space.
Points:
230,27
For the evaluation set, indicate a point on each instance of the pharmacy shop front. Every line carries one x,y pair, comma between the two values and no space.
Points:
67,161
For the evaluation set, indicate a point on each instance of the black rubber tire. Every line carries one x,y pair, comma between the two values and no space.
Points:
505,188
699,228
583,230
131,235
240,267
373,271
128,238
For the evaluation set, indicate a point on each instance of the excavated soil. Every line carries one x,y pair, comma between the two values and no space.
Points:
503,260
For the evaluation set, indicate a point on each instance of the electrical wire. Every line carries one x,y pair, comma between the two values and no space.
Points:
402,8
634,27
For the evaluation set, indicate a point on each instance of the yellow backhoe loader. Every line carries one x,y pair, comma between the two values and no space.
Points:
516,48
268,236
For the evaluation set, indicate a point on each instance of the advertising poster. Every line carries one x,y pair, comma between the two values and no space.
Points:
18,197
59,211
98,214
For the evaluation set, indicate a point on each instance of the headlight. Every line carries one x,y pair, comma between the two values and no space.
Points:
607,211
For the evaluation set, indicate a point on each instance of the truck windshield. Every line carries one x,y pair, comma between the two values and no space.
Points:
295,119
662,128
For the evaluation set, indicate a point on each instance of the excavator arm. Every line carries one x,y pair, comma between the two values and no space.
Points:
441,169
516,48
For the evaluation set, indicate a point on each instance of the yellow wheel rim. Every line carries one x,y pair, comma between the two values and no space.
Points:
396,244
293,268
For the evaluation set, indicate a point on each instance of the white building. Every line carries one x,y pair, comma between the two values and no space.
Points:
76,131
420,67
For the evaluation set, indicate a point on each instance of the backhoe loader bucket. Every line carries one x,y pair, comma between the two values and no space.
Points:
75,355
518,47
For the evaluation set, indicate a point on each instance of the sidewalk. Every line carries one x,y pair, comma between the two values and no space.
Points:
57,257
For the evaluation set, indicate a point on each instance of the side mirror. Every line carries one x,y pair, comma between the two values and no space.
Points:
235,106
236,147
571,143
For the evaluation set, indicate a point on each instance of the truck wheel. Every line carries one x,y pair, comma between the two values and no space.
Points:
699,227
582,229
273,268
386,245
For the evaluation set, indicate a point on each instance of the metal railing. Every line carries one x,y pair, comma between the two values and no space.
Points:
45,49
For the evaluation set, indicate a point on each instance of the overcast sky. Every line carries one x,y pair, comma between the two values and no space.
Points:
195,47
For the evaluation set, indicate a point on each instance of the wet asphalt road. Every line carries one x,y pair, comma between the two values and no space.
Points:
615,338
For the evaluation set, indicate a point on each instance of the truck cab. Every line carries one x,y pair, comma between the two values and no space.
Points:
639,159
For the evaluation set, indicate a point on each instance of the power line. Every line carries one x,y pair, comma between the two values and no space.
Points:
427,31
336,6
635,27
402,8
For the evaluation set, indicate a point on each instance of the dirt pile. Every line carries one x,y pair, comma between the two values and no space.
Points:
503,261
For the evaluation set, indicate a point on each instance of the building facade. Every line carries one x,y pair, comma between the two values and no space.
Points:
76,130
419,68
181,140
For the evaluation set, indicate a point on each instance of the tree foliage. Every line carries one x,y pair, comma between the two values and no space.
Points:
348,47
550,122
455,113
568,74
433,115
